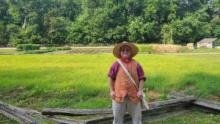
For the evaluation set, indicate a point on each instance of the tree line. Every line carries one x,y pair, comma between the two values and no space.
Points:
107,21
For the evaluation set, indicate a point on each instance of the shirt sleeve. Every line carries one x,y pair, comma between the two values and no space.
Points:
140,72
113,70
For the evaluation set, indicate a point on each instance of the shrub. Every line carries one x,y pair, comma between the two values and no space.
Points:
25,47
58,48
37,51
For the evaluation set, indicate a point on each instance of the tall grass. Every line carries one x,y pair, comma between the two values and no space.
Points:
80,80
161,48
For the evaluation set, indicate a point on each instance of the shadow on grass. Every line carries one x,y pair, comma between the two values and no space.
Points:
200,84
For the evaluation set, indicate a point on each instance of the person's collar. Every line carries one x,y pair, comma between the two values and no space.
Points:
126,60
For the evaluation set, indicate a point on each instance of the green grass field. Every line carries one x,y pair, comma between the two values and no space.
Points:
80,80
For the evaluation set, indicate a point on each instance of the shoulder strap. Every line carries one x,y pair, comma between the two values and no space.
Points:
127,73
143,101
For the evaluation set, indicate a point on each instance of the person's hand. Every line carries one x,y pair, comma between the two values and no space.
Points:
140,94
112,94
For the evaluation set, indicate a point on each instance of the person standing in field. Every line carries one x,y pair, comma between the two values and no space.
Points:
126,97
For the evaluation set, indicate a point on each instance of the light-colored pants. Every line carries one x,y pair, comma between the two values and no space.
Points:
133,109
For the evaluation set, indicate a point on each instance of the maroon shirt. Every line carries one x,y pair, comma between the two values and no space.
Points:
114,69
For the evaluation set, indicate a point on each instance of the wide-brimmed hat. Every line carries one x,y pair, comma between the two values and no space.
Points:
116,50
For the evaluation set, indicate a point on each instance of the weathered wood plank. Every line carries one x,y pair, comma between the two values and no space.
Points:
208,105
157,104
77,112
16,114
203,104
24,116
157,110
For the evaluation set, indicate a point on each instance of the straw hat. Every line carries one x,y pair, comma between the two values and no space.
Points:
116,50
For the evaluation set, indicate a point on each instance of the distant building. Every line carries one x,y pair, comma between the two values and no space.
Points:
207,43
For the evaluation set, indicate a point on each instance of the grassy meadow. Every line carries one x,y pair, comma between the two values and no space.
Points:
80,80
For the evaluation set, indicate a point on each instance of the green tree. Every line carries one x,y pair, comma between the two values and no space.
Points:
57,30
167,33
107,21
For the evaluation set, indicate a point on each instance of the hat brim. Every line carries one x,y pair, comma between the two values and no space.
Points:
116,50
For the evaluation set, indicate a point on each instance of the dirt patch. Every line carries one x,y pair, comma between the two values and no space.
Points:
153,95
15,92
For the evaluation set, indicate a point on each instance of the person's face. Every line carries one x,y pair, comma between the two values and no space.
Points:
125,52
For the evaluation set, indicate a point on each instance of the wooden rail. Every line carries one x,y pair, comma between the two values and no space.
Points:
74,112
157,110
178,104
202,104
16,113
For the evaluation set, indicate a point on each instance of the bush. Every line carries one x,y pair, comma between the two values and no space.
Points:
37,51
217,43
58,48
25,47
